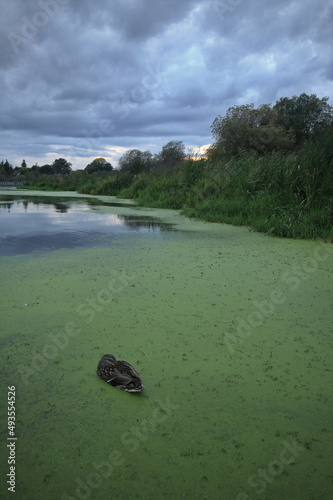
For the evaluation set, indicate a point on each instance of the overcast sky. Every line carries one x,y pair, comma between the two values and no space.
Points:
83,78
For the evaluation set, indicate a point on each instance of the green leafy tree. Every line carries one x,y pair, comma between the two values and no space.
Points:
98,165
22,170
135,161
231,132
35,169
61,166
246,128
6,168
44,169
172,154
304,115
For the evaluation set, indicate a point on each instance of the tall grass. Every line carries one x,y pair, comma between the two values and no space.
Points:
276,193
157,189
284,195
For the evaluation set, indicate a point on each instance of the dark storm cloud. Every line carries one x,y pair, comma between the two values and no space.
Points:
134,20
81,79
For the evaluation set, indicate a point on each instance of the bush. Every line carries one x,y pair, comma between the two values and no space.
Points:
88,188
113,185
316,168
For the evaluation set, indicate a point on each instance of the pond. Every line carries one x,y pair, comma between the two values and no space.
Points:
37,223
230,331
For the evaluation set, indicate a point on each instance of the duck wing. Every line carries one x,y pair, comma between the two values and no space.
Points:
127,378
127,369
118,379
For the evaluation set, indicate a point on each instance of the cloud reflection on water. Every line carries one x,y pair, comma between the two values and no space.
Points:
31,225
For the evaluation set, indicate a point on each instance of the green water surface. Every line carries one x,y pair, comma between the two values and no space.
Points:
231,332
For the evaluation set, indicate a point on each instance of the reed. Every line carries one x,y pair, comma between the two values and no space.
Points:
287,195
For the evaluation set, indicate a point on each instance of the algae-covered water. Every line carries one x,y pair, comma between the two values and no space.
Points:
231,332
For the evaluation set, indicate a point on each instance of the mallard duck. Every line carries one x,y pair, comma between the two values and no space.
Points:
119,374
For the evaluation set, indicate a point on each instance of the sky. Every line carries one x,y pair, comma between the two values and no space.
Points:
82,79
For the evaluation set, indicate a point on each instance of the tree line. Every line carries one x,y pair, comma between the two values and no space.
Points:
270,168
133,161
60,166
285,126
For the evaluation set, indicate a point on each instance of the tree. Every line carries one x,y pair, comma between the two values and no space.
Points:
35,168
304,115
98,165
61,166
135,161
6,168
232,131
246,128
45,169
172,154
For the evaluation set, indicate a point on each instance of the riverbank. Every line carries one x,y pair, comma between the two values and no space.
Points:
285,195
231,334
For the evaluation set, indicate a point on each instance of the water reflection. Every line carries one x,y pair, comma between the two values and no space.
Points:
60,204
144,222
44,224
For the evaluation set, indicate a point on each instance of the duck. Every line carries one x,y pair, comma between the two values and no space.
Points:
119,374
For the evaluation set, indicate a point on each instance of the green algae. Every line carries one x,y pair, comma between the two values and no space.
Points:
231,333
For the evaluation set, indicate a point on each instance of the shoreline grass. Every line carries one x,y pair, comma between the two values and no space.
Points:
285,195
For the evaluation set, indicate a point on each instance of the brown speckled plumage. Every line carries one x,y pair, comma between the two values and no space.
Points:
119,374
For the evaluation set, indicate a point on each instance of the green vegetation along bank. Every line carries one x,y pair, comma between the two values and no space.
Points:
287,195
270,169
